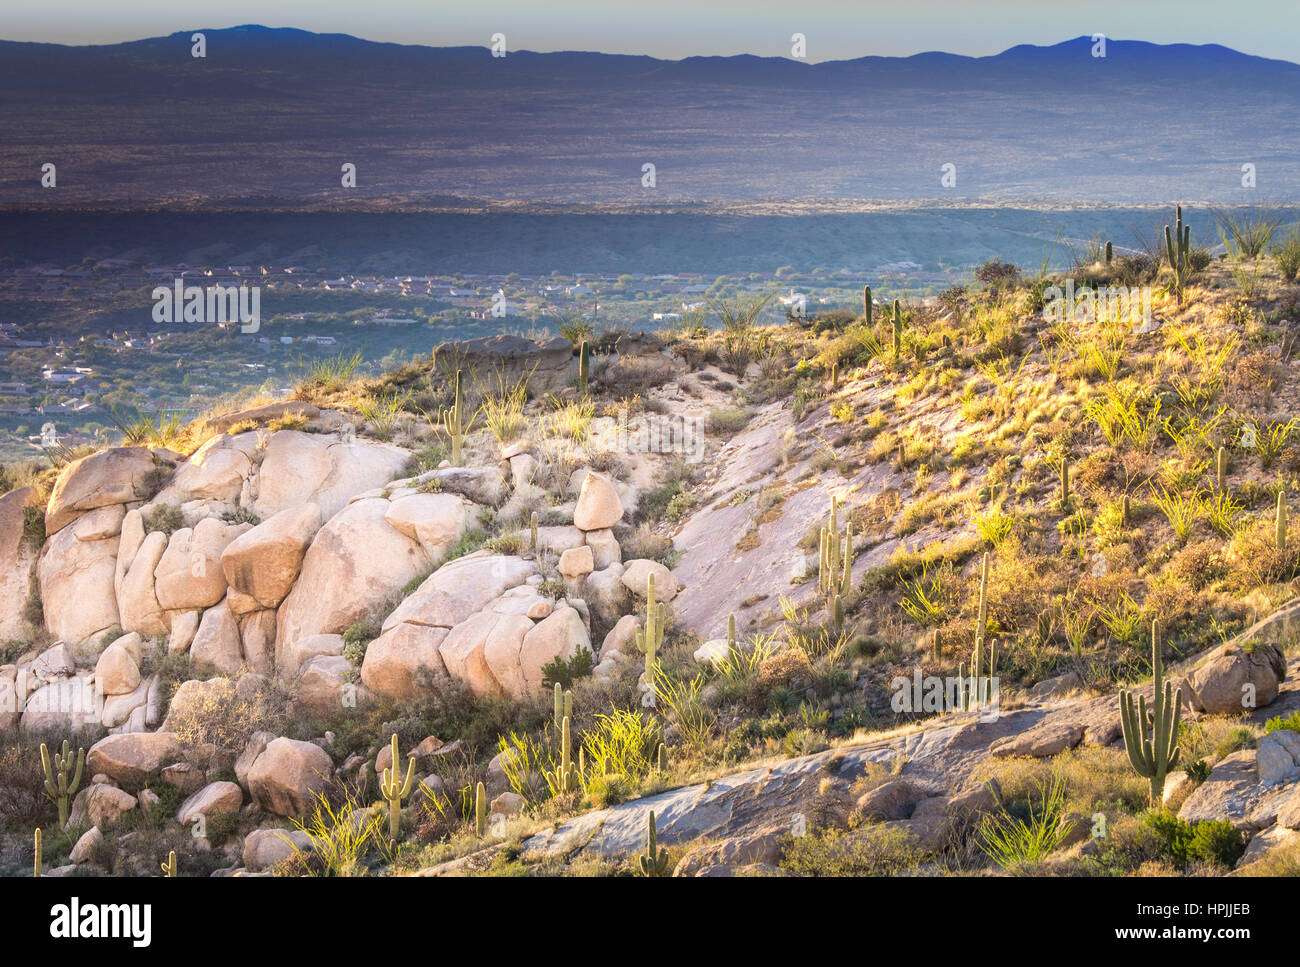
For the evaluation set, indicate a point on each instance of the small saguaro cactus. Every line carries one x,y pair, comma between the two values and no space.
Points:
1153,755
1280,521
564,778
731,635
532,533
654,861
835,375
1065,481
1221,469
394,790
480,811
169,868
584,367
1178,246
649,638
1124,512
454,422
59,788
1110,251
36,866
898,329
866,304
563,704
661,758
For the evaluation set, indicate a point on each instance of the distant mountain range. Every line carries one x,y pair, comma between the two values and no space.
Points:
269,116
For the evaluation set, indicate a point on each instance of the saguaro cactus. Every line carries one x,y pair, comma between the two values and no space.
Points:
36,866
1153,755
1279,523
974,696
649,638
395,791
584,367
563,704
1221,469
1065,481
454,422
1110,252
58,786
866,304
169,868
532,533
898,329
835,564
565,777
1178,246
480,811
654,862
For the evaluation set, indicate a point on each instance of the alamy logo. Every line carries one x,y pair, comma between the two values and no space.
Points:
682,435
215,303
1110,303
105,921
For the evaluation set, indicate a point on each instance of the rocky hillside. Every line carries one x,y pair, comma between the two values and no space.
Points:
851,594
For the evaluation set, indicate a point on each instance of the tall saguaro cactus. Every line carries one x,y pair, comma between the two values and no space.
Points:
1279,523
898,329
453,421
974,695
394,791
835,564
651,636
564,778
584,367
58,786
1151,735
866,304
36,865
480,811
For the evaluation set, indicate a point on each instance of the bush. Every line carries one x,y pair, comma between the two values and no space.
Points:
164,518
870,851
1290,722
1214,841
727,420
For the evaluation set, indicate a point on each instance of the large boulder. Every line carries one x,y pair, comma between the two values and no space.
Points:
460,588
548,366
17,555
599,506
321,686
396,657
215,797
137,598
64,705
265,848
214,474
116,672
265,561
76,572
190,574
118,475
636,574
435,521
1236,677
105,803
503,648
356,562
216,645
463,653
133,758
560,635
301,468
291,655
287,775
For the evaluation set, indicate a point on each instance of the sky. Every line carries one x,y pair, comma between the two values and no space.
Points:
835,29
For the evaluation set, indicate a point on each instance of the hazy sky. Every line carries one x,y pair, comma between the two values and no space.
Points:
835,29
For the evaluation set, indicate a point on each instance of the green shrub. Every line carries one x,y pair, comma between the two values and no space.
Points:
567,672
1290,722
164,518
1212,841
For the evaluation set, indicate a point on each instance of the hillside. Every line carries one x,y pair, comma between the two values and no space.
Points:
855,594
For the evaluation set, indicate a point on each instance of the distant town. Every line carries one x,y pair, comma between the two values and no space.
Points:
79,349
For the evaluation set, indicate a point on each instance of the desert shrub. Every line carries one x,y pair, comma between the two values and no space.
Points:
869,851
1028,831
1290,722
1256,559
628,738
1287,254
226,719
1212,841
23,805
164,518
727,420
567,671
